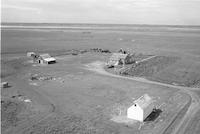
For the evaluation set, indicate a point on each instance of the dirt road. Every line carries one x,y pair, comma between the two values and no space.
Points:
98,67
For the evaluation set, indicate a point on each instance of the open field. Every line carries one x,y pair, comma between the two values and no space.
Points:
76,96
163,69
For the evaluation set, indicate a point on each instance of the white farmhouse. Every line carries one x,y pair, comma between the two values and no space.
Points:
141,108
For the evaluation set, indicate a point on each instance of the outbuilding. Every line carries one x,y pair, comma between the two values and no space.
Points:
141,108
117,59
30,54
46,59
120,59
4,85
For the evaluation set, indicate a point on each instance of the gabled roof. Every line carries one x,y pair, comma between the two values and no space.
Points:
50,59
45,56
144,101
118,56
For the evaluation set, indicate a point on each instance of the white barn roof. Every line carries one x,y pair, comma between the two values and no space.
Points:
144,101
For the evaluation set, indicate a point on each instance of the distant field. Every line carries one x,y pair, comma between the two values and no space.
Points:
168,40
166,69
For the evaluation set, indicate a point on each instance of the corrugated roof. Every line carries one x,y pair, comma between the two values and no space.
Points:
45,56
49,59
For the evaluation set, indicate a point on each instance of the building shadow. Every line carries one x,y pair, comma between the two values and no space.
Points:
154,114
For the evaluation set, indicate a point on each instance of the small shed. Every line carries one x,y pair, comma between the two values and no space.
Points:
30,54
117,59
141,108
4,85
46,59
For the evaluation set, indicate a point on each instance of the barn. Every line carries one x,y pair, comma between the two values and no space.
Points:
117,59
141,108
120,59
46,59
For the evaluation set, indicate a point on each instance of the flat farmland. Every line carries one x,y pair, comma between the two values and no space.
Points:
75,95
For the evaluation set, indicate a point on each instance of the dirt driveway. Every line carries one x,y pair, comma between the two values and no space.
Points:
98,67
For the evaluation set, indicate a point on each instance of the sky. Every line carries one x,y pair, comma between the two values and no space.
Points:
170,12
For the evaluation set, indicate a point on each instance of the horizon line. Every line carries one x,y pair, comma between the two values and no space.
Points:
99,24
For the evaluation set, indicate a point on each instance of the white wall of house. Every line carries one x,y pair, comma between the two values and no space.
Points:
141,108
135,112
